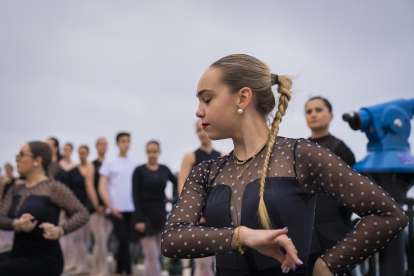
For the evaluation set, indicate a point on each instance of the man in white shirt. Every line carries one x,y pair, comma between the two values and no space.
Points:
115,189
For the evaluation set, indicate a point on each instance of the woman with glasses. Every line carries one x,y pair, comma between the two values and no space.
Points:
32,211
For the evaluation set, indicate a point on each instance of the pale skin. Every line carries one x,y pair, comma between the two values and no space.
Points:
101,146
318,118
153,152
66,163
248,132
31,168
123,144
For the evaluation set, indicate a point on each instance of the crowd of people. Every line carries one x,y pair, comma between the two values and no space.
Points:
228,202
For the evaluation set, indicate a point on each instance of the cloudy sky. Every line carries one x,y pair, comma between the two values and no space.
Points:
79,70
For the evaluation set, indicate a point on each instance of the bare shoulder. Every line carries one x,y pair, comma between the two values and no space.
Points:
189,158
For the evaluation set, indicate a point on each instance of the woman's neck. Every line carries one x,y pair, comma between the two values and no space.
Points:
152,166
254,133
319,133
67,160
101,158
35,177
122,154
83,163
206,147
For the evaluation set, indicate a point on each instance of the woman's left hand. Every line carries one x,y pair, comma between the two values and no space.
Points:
321,268
51,231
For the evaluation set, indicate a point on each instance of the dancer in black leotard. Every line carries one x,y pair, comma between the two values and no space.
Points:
149,182
267,183
332,219
32,211
99,223
203,266
76,182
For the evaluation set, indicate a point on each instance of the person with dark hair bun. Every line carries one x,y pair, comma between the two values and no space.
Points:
32,211
56,172
149,182
332,219
260,198
76,182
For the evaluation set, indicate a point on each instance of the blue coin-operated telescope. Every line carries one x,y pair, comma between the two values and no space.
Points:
390,164
387,127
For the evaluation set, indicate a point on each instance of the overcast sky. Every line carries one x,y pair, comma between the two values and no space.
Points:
79,70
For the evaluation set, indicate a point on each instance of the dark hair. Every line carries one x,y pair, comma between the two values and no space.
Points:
154,142
43,150
99,139
85,147
119,135
240,71
70,145
56,145
327,103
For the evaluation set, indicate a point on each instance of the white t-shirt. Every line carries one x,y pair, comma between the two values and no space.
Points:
119,171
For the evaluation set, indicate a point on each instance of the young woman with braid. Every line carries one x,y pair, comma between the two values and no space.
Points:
268,184
32,211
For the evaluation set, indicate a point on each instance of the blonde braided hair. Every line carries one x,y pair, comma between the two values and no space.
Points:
284,86
239,71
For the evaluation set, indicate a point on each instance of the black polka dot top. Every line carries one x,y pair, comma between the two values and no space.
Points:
227,195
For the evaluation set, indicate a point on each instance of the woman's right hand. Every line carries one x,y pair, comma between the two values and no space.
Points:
269,242
116,213
24,223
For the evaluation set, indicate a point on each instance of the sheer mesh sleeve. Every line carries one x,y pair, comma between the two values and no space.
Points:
64,198
6,223
320,171
182,237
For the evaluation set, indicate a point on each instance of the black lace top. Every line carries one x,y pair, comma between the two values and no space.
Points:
298,170
44,202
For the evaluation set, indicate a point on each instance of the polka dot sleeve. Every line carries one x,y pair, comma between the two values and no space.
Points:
6,223
64,198
182,237
320,171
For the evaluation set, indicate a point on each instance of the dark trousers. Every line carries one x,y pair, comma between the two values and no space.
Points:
122,229
47,263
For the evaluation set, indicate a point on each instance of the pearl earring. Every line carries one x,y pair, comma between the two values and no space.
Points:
35,163
240,111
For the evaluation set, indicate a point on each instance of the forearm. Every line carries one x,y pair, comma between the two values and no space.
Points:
93,197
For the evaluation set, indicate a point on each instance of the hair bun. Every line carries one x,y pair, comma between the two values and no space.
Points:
275,79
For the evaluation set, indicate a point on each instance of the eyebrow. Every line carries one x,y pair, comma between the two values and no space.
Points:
199,93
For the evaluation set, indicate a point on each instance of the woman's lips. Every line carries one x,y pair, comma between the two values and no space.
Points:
204,125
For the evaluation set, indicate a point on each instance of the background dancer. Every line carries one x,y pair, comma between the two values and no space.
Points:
203,266
274,179
115,189
332,219
99,223
32,211
66,162
6,237
149,182
76,182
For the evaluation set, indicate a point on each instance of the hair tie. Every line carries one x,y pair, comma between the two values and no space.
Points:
275,79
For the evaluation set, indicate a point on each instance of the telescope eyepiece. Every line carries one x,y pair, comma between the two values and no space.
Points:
354,120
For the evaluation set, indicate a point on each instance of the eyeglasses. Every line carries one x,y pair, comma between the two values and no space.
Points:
21,155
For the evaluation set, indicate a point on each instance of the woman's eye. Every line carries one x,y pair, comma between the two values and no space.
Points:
207,101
